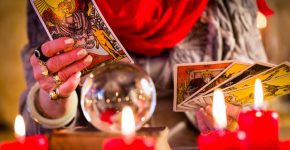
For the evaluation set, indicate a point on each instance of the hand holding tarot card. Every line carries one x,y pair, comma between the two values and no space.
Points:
194,83
82,21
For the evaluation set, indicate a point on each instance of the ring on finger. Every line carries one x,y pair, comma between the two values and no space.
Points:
38,54
54,94
57,80
43,68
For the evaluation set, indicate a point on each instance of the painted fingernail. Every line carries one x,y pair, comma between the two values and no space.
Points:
88,59
69,41
82,53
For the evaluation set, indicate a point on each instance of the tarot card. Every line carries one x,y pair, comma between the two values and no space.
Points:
229,72
249,72
200,101
188,78
272,88
195,105
82,21
270,74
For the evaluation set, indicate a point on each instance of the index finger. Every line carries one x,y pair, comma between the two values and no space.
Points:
51,48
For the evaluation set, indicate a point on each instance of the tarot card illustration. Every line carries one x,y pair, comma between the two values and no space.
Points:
276,72
245,96
189,78
229,72
249,72
82,21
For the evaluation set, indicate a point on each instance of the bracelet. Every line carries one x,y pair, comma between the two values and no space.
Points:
47,122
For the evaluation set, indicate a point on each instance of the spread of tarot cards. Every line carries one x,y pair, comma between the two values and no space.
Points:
82,21
194,83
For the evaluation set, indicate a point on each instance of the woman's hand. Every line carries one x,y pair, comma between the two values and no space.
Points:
65,62
205,120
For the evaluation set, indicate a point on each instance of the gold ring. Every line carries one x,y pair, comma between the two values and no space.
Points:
57,80
43,68
54,94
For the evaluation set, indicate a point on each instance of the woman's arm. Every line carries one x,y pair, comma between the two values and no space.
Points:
66,65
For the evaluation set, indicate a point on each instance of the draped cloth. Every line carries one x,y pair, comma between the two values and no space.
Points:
148,27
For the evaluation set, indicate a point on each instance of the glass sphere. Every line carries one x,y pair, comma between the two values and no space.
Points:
111,87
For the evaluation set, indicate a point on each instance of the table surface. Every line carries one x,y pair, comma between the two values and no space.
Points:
182,134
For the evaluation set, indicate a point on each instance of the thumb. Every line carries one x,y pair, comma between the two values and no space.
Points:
69,85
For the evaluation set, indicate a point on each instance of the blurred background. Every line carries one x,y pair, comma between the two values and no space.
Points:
13,37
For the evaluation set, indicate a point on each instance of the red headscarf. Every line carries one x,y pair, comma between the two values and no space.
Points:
147,27
264,8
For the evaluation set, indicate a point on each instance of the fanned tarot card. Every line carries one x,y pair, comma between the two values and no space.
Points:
275,72
245,96
82,21
229,72
189,78
247,73
194,84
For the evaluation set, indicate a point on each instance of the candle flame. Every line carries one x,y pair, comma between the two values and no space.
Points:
128,122
219,109
19,127
258,96
261,21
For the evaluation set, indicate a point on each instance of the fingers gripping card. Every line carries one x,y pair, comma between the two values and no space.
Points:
82,21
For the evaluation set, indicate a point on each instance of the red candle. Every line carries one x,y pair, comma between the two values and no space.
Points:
285,145
220,139
37,142
120,143
260,126
128,141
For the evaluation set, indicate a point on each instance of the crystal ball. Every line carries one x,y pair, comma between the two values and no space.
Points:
110,88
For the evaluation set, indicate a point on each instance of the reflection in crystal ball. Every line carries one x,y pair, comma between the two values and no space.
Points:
111,87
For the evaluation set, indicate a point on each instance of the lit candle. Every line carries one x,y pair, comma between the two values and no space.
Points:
284,145
260,126
37,142
128,141
220,138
